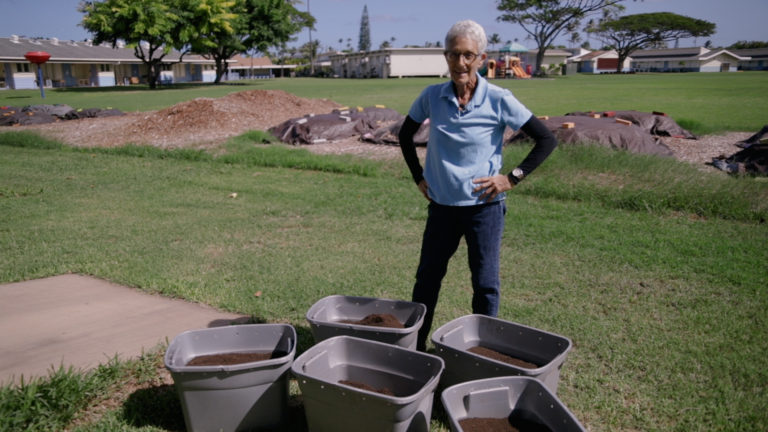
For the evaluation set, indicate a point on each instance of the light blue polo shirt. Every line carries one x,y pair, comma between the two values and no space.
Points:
465,145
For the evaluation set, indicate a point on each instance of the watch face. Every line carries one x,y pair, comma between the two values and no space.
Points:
517,172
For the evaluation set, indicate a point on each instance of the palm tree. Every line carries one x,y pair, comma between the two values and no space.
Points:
494,39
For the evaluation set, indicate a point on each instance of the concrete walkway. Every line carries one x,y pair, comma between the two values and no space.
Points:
83,321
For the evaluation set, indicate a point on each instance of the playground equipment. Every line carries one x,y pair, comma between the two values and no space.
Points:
38,58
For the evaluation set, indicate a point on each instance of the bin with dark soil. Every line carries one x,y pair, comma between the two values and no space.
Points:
377,320
354,384
499,356
478,346
395,322
509,403
234,377
226,359
514,423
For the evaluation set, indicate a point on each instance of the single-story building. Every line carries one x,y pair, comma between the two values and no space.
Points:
757,58
390,62
82,64
242,67
597,62
698,59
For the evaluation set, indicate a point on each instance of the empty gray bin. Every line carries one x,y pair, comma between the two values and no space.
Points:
452,341
324,318
410,376
511,398
236,397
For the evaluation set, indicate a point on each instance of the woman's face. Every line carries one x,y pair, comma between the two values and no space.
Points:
463,60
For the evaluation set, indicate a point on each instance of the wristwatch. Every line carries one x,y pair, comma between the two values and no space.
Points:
516,175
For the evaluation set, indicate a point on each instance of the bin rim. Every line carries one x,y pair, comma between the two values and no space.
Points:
458,391
335,324
452,324
169,352
399,400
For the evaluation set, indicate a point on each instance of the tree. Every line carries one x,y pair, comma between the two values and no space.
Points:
249,25
748,45
574,39
544,20
632,32
151,27
494,39
364,43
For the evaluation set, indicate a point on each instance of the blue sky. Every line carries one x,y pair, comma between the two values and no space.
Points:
412,22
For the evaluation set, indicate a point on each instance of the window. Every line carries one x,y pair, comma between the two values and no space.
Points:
22,67
105,68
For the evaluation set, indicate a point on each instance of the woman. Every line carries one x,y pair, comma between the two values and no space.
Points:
461,178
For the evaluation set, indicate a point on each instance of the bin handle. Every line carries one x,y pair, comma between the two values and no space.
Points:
450,332
312,359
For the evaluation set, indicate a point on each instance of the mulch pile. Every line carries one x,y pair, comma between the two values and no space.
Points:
198,123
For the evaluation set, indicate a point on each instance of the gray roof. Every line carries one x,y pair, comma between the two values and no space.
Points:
696,53
13,49
755,53
669,53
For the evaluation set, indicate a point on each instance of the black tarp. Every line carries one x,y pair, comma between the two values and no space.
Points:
753,159
41,114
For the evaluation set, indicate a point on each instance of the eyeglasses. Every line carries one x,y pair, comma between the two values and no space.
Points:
468,56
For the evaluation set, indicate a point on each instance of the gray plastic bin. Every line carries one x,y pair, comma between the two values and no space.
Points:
452,341
330,406
324,318
509,398
236,397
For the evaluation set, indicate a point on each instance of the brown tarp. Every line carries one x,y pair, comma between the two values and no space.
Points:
656,123
603,131
388,133
320,128
339,124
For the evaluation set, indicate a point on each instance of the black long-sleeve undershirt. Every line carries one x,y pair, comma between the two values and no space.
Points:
545,143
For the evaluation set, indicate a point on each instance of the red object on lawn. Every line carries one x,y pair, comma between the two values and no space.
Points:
37,57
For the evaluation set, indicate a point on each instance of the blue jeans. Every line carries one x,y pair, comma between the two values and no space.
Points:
482,227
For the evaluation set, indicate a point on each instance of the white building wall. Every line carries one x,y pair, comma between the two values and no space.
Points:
415,64
106,79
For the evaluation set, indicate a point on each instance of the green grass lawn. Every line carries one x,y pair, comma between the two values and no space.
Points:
655,270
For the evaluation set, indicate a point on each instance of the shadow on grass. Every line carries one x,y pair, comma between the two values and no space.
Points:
160,407
157,406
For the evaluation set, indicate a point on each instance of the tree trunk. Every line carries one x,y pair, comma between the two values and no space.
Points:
152,75
620,65
220,69
539,61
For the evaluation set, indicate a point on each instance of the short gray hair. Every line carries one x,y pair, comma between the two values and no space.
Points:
468,29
